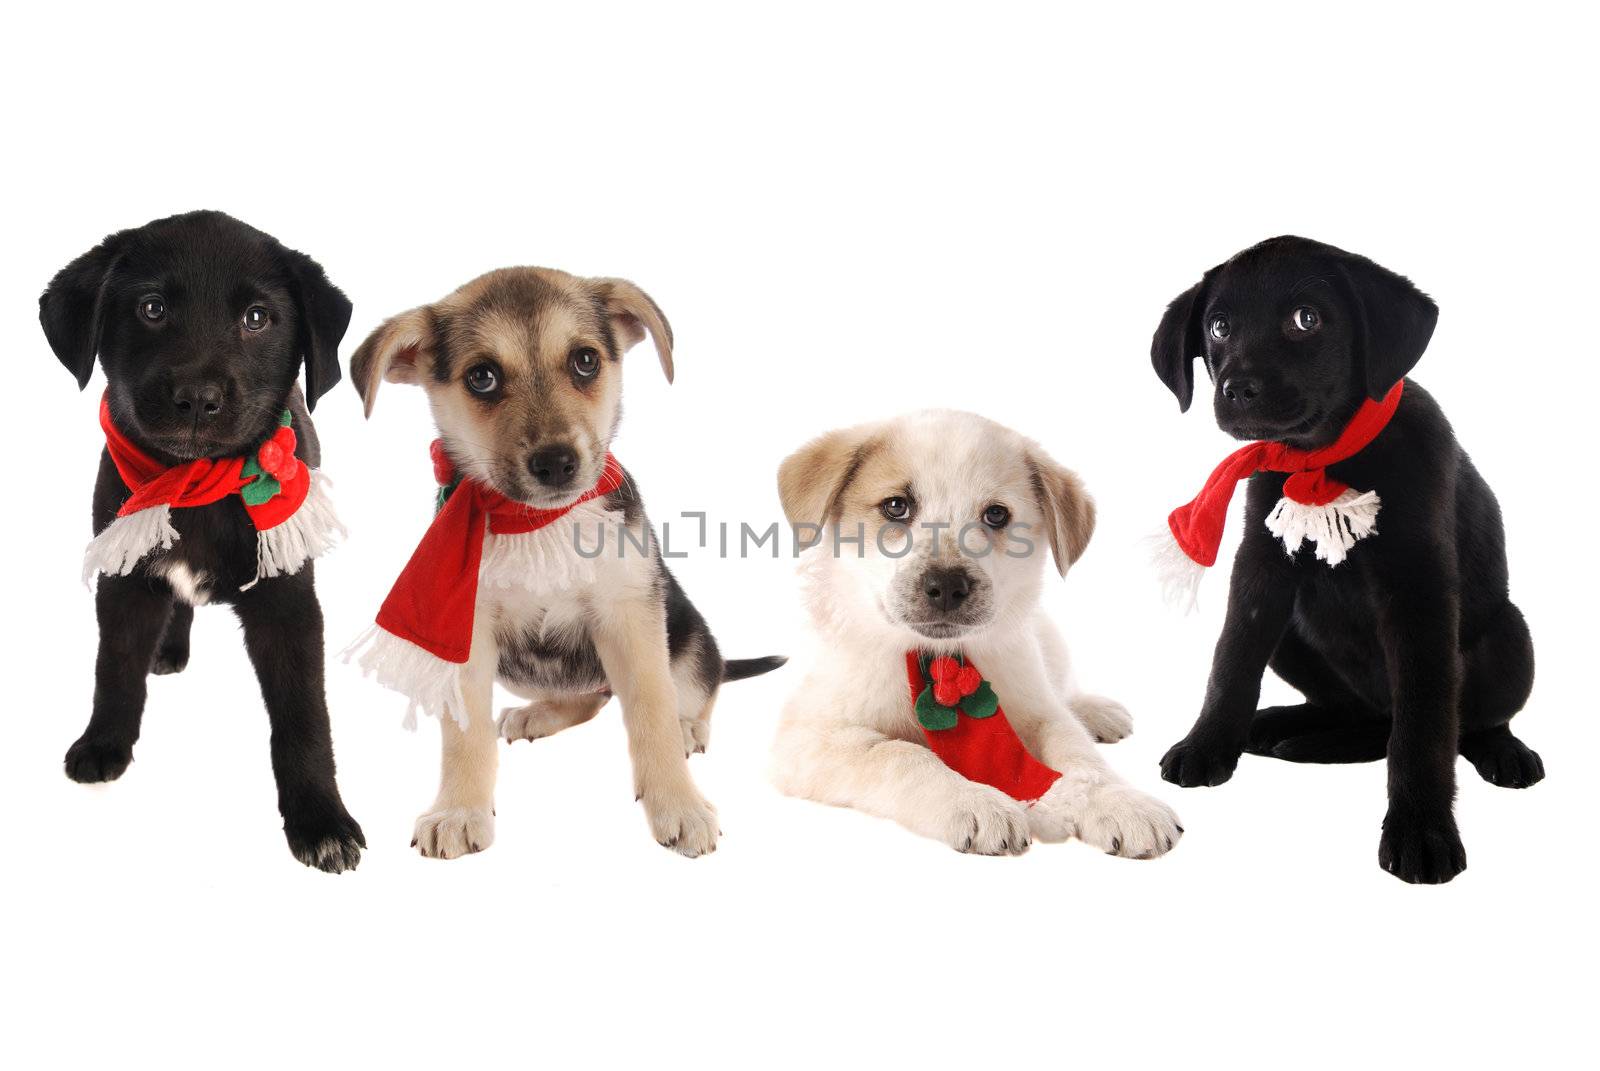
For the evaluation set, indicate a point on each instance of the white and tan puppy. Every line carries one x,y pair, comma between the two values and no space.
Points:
933,535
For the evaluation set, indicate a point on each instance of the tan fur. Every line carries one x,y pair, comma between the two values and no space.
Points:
526,323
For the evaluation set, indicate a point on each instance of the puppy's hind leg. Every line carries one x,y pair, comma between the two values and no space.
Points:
549,715
1499,678
172,655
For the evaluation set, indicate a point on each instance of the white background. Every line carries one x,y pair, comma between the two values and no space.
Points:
846,213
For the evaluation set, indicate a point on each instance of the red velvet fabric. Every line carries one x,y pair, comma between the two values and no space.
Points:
985,750
432,603
1198,526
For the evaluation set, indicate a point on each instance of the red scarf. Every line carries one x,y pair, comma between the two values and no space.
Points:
273,484
964,725
1314,506
423,633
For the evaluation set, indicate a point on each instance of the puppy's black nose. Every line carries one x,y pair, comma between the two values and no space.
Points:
554,466
198,399
946,589
1241,390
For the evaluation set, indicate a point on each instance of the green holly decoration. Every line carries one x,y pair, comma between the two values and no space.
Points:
262,489
981,702
932,714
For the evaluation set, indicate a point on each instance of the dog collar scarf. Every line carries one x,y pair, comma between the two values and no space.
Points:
423,632
961,718
284,500
1314,505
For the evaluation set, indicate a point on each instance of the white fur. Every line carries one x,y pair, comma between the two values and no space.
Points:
849,735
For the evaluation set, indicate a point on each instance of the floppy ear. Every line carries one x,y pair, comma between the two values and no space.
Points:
71,308
1177,343
392,353
1068,509
1394,321
324,316
812,480
632,313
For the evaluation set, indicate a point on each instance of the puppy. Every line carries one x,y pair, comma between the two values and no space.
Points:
1395,622
202,324
523,373
932,529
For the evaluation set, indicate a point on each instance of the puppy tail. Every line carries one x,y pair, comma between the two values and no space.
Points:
737,669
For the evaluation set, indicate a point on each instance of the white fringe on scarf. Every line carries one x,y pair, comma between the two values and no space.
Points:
308,533
1180,575
432,685
545,561
1334,528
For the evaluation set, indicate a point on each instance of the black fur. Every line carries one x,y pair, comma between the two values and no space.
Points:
1411,649
569,663
208,269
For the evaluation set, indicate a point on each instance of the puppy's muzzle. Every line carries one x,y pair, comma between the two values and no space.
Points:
197,401
554,466
946,589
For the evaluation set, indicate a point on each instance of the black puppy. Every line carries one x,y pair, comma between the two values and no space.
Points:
201,324
1409,647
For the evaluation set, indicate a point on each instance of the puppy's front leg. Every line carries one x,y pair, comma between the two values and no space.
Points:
131,612
854,766
283,634
461,820
1089,800
1416,589
630,635
1260,600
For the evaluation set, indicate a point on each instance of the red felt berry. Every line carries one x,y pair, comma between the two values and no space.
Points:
443,471
946,693
944,669
270,457
967,680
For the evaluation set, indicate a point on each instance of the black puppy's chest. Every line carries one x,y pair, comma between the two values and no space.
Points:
1334,614
214,555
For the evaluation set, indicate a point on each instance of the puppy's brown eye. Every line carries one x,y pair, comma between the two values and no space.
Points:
255,318
1306,319
1220,328
585,361
483,379
997,516
153,309
895,508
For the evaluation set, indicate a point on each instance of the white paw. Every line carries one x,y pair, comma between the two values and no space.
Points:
986,821
696,735
532,722
453,832
1124,821
1106,719
683,822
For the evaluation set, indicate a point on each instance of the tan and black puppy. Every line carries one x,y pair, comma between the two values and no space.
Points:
522,367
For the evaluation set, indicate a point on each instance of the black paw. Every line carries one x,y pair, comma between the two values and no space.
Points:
1192,763
1421,851
92,761
333,844
170,660
1509,763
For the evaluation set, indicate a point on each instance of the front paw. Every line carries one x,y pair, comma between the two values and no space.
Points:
332,844
1120,820
986,821
92,761
1419,850
1192,763
453,832
683,822
1106,719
